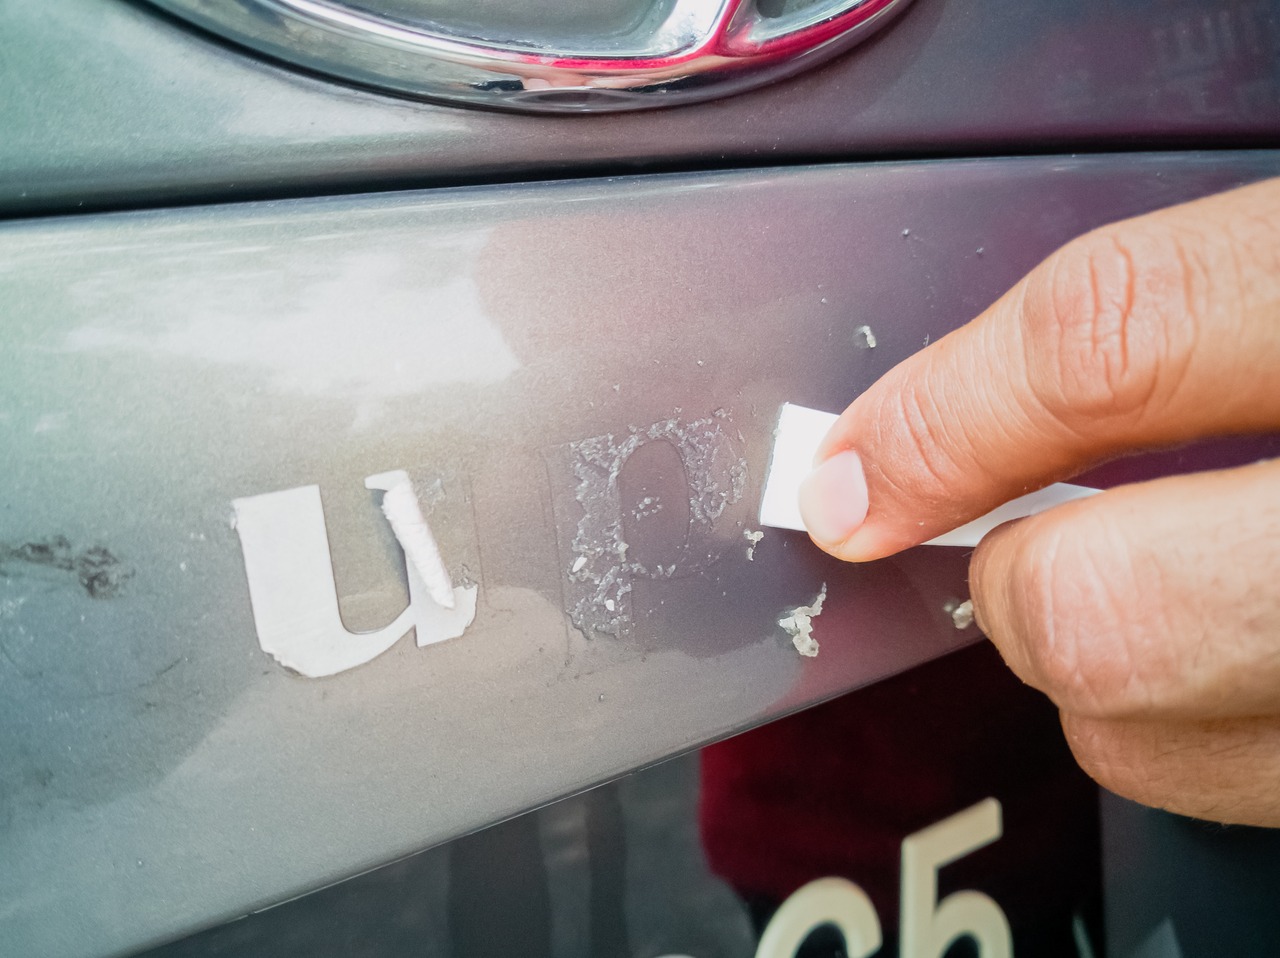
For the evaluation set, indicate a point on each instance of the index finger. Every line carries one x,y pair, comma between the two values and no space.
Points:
1145,333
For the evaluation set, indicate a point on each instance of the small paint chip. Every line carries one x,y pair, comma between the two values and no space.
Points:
798,623
753,538
864,338
962,614
579,564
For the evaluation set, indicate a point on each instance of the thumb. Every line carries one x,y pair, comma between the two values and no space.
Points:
1149,332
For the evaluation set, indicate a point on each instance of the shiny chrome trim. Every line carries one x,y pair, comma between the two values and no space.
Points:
699,50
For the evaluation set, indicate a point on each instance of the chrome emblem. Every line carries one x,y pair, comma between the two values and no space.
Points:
661,52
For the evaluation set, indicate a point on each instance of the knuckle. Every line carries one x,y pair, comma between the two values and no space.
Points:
915,461
1105,328
1077,592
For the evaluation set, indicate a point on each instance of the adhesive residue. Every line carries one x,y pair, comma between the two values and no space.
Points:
600,573
648,506
99,572
798,623
961,613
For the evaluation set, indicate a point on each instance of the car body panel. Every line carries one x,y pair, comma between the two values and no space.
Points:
162,772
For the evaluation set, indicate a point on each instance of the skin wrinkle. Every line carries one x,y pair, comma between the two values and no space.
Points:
1184,612
1176,354
1110,683
975,463
1223,599
1266,222
1093,349
1043,400
1123,311
920,408
1165,765
1021,600
1202,671
1127,307
1097,683
1058,669
1027,397
915,443
1255,283
1190,307
1144,686
1225,623
1264,618
1142,596
1025,422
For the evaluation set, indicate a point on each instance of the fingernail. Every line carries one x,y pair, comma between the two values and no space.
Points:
833,498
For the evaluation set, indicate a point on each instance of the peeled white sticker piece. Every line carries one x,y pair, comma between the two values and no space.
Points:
796,440
294,596
400,506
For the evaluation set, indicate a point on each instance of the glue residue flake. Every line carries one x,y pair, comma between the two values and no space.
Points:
601,574
798,623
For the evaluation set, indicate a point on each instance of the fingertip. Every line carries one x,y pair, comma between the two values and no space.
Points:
833,500
989,575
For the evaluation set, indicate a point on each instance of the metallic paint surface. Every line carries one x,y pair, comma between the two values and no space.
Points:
109,103
160,773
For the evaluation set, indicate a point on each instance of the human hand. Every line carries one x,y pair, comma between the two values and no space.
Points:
1150,614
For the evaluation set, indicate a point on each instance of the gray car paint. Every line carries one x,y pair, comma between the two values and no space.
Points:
161,773
109,103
